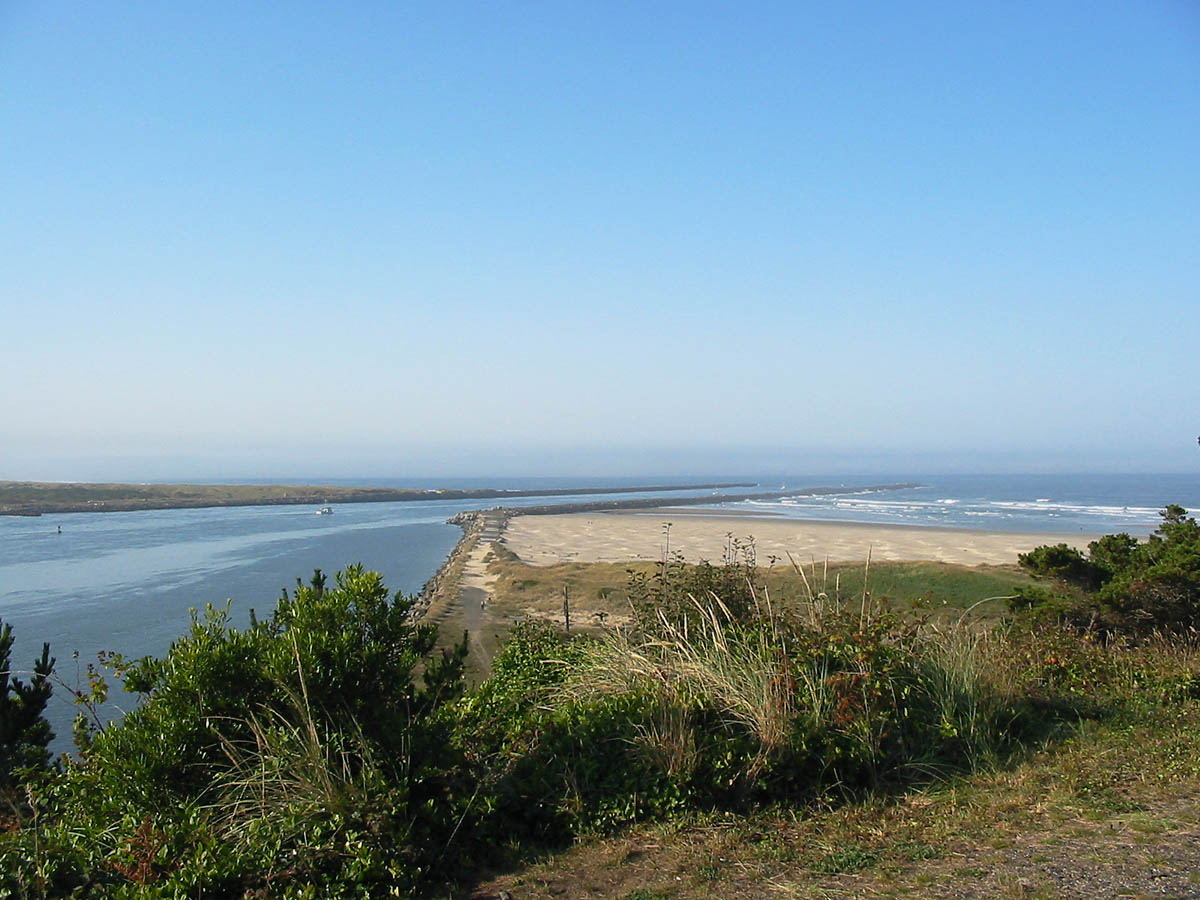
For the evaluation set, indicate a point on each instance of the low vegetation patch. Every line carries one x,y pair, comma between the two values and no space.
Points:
600,593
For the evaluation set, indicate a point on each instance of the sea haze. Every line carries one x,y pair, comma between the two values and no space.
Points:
126,581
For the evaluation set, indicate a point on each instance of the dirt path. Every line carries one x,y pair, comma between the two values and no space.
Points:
474,595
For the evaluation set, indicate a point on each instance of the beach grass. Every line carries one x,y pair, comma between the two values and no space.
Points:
598,591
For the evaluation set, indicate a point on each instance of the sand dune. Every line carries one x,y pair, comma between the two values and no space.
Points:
616,537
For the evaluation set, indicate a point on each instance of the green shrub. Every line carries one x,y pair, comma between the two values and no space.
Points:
1124,586
304,753
25,734
668,594
1062,562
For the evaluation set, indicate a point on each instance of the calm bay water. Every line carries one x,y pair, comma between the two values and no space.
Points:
126,581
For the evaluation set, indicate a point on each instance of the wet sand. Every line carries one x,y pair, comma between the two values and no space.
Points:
619,537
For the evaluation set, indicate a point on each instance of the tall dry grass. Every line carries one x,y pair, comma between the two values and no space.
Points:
745,673
840,670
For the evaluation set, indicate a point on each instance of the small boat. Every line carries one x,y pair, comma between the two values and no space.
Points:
325,511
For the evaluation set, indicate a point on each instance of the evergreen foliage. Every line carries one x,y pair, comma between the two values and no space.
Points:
300,753
1123,585
25,734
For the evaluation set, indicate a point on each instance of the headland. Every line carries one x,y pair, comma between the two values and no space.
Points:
32,498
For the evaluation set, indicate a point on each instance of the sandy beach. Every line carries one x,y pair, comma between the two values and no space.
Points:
618,536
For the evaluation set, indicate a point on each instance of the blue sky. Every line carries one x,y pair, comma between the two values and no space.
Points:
400,239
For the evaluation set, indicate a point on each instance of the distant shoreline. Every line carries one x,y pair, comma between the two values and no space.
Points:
29,498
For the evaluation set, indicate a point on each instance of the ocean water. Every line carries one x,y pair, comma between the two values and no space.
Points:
127,581
1087,504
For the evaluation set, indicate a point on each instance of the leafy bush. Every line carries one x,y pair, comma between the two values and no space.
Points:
1123,585
499,728
304,752
666,595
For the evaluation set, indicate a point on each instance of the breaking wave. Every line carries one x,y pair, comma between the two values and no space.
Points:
1034,514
